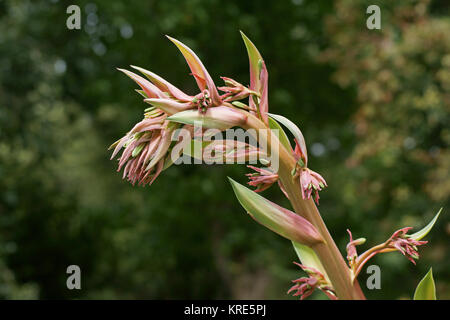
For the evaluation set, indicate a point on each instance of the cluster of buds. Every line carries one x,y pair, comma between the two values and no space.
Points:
234,90
305,286
202,101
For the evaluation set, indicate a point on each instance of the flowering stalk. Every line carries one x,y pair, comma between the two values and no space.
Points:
146,148
327,251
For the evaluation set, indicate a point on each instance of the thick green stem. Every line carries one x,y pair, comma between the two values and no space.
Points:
328,253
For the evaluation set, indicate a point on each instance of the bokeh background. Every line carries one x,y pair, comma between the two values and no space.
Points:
372,104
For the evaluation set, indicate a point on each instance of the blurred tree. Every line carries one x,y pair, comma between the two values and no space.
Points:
399,169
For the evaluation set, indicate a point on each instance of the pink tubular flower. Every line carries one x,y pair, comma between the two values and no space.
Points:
406,245
305,286
262,178
145,147
311,182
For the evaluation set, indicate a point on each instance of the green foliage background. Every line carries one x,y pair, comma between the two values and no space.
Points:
372,104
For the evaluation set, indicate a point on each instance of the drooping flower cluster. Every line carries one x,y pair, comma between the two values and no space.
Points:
147,144
401,241
145,147
261,178
305,286
311,183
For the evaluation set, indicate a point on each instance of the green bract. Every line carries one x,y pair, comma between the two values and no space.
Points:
294,130
278,219
309,258
282,135
423,232
426,289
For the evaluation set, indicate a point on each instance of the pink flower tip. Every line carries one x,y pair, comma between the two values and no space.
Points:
311,183
305,286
